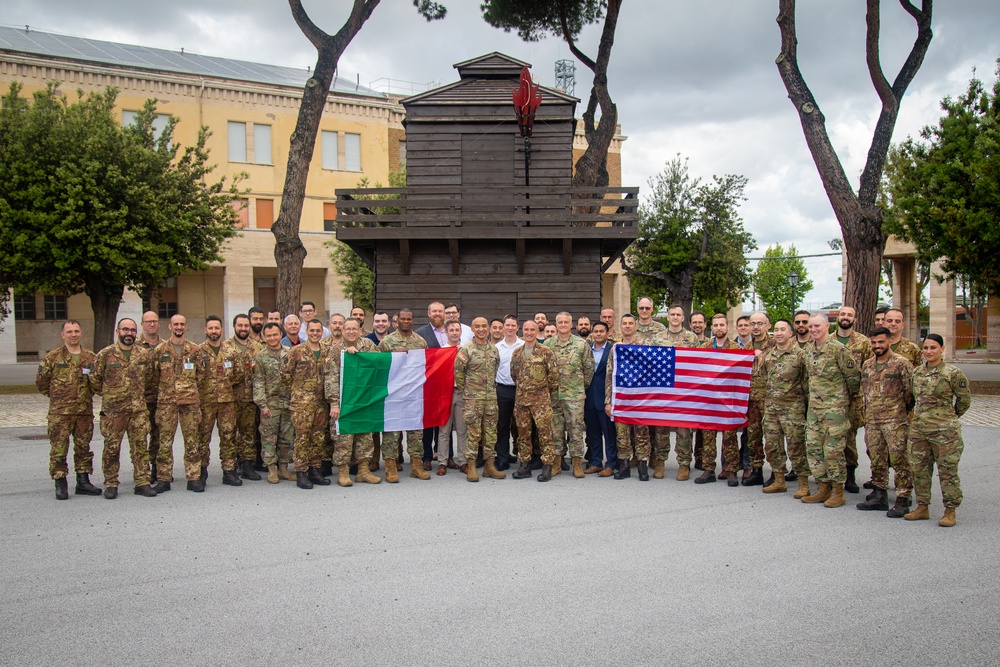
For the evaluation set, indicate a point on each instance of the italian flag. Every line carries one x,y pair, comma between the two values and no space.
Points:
396,391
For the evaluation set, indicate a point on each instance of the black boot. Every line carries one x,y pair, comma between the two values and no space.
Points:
872,494
203,478
160,487
62,489
879,502
624,469
868,485
705,477
901,507
792,476
770,480
523,471
546,473
326,469
84,487
536,464
756,477
145,490
248,472
643,471
314,476
352,469
196,485
111,492
302,480
851,486
230,478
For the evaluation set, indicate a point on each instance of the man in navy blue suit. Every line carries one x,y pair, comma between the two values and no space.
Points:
434,333
602,454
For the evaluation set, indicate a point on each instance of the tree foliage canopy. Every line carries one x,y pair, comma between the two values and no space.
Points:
535,19
943,191
87,205
692,244
770,280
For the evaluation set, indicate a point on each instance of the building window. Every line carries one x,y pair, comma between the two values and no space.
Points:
352,152
160,122
265,213
329,217
166,293
242,208
237,142
261,144
55,307
166,309
329,150
24,305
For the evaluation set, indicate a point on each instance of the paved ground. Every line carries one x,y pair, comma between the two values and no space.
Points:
592,571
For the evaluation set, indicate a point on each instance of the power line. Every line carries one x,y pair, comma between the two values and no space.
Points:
822,254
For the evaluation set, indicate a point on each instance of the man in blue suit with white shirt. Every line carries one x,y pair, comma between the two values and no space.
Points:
602,453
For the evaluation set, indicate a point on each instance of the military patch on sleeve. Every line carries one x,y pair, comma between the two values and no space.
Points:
963,383
850,363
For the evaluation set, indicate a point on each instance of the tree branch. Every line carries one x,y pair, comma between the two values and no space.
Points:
580,55
882,87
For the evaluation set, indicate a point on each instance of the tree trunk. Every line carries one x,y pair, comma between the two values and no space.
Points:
104,300
864,242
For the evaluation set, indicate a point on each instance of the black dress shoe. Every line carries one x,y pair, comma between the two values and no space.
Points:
196,485
733,479
624,470
755,478
144,490
230,478
302,480
111,492
503,465
315,477
792,476
62,489
523,471
160,487
84,487
643,471
546,474
326,469
247,472
705,477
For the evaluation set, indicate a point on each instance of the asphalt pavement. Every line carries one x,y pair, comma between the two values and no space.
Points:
444,572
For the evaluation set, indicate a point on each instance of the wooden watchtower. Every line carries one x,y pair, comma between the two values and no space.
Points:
466,229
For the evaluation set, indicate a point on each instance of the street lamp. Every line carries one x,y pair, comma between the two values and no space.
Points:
793,281
526,101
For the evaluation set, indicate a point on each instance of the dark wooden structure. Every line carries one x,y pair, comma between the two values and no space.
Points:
466,229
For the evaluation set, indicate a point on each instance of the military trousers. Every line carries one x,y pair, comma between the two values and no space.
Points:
944,448
276,436
168,417
568,427
539,415
223,415
886,444
60,429
826,440
309,423
786,425
755,431
352,449
456,422
414,445
730,450
154,432
682,446
246,427
480,417
633,439
114,427
856,415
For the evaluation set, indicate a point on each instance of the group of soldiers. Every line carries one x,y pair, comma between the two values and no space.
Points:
275,398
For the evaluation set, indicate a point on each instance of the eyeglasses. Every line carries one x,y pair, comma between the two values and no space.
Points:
802,321
645,308
150,321
127,330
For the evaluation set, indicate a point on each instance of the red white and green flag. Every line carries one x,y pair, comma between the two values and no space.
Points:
396,391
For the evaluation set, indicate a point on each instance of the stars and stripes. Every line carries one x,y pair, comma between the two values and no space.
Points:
681,387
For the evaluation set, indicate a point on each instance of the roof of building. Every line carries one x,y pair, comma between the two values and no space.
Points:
21,40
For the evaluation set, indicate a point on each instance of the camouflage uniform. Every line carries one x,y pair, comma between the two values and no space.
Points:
626,433
121,379
576,370
644,333
536,379
661,434
756,405
730,443
887,393
861,348
64,380
396,342
834,377
247,416
614,337
909,351
151,389
786,385
178,376
355,447
475,378
302,374
276,432
941,395
224,369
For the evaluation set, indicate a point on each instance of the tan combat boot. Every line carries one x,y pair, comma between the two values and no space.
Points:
285,473
417,469
803,489
778,485
658,469
836,498
344,476
919,513
578,467
683,473
391,471
272,473
470,471
948,520
557,466
490,470
822,493
365,475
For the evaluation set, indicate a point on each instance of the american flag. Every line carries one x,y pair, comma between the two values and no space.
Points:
681,387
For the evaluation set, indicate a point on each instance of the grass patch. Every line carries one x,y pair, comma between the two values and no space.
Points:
18,389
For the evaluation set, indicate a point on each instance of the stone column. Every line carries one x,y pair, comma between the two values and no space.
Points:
237,292
904,294
8,337
942,302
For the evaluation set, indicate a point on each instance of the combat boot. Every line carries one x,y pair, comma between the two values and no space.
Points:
791,476
822,494
563,466
658,470
878,500
490,470
326,468
391,471
546,473
111,492
285,473
557,467
899,508
948,520
577,467
272,473
803,489
365,476
705,477
624,470
302,480
523,470
231,478
144,490
344,476
920,513
417,469
196,485
643,471
204,474
314,476
683,473
777,486
247,472
755,478
62,489
851,485
470,473
770,480
836,498
161,487
84,487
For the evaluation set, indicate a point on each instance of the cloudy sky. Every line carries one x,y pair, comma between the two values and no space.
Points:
694,78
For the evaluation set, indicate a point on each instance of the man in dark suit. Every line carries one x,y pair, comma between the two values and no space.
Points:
602,453
434,333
